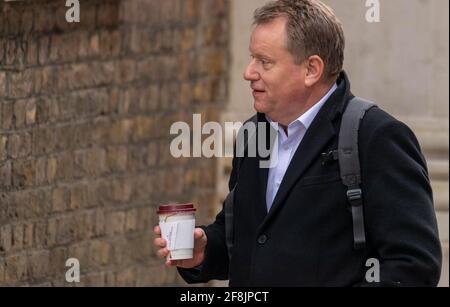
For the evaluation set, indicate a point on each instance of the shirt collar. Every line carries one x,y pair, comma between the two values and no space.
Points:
307,118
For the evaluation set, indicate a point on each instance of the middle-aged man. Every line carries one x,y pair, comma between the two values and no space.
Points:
292,222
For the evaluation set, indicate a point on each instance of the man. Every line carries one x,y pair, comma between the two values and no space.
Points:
292,223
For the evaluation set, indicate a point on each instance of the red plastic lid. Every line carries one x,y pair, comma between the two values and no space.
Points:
176,208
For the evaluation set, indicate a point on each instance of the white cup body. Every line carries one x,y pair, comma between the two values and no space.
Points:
178,230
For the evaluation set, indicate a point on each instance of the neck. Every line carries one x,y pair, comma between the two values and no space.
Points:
311,99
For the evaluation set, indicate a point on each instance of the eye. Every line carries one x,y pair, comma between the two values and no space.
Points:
263,61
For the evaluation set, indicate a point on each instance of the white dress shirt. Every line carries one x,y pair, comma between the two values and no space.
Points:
288,144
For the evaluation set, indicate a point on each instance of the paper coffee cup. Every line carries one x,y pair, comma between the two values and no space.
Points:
177,223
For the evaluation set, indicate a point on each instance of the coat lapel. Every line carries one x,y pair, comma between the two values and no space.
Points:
317,136
263,177
264,172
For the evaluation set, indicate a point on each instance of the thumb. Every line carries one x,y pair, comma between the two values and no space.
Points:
198,233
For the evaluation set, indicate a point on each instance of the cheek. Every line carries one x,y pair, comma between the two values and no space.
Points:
273,86
291,88
281,84
279,91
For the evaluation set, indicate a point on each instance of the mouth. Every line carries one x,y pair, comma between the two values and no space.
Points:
258,91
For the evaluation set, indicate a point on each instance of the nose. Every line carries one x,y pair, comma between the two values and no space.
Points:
250,73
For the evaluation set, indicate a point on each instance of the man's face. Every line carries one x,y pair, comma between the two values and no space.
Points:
277,82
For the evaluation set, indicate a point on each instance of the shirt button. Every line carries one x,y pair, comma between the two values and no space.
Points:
262,239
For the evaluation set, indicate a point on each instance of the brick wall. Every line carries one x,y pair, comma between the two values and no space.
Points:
85,111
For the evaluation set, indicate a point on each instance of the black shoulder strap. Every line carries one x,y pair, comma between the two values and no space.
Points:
349,164
229,200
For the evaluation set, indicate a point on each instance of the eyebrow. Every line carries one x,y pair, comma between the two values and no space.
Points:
260,55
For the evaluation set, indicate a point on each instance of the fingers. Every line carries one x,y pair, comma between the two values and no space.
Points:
162,253
157,230
160,242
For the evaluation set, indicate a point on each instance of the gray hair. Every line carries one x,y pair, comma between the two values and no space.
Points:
312,29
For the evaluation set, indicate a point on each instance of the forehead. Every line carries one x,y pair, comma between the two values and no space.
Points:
269,36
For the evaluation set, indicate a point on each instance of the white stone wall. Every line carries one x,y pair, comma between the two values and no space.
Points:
401,63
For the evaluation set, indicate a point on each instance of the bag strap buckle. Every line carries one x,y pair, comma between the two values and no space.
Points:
353,195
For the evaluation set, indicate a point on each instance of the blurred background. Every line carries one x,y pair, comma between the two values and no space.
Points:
86,110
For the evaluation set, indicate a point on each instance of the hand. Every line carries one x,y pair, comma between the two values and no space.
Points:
199,249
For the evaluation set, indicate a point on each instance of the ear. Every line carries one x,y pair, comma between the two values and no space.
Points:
314,70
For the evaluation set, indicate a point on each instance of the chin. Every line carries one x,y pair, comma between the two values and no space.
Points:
261,107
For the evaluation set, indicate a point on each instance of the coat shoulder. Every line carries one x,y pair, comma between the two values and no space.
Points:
377,121
376,118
